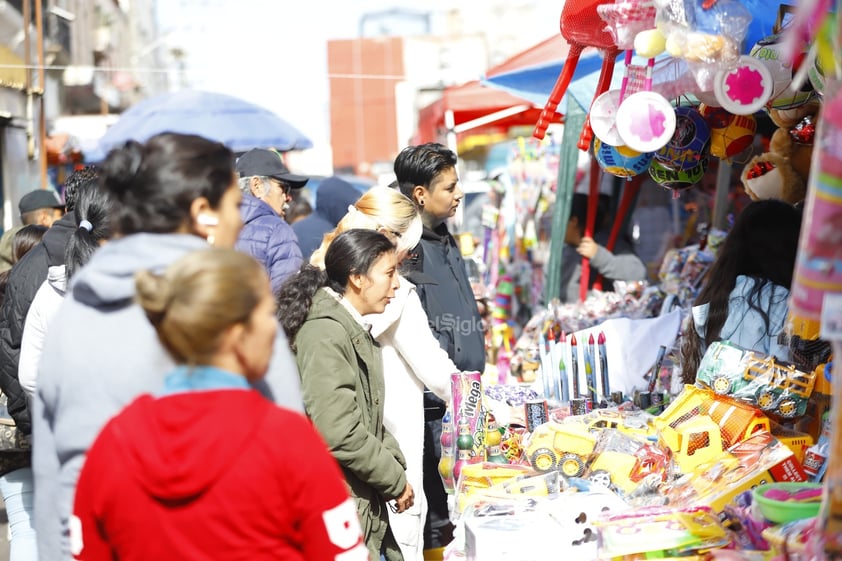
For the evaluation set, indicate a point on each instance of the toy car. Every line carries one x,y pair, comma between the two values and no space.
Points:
566,447
622,462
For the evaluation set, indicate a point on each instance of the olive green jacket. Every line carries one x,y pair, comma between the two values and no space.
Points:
342,384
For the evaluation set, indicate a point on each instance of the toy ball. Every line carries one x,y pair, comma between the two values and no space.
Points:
621,161
729,134
677,179
769,51
689,143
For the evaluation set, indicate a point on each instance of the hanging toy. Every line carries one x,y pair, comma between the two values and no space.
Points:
689,144
729,134
677,180
621,161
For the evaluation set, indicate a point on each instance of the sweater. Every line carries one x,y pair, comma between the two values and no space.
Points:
44,307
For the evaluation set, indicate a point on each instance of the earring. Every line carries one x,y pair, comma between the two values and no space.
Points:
421,202
210,239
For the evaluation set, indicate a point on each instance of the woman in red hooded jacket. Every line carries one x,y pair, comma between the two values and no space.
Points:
209,469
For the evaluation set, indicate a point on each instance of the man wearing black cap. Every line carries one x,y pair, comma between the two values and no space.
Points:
36,207
266,184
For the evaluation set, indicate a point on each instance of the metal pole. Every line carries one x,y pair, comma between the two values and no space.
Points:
720,202
42,124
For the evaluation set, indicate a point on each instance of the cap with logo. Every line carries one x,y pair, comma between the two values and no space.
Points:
268,163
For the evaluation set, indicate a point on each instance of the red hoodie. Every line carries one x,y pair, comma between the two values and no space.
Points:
219,474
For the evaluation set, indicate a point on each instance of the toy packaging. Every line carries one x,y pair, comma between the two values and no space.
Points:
777,388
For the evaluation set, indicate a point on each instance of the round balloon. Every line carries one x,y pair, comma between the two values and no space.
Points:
621,161
729,134
677,179
689,143
769,50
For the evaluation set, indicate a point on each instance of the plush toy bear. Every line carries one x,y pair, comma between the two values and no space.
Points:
783,172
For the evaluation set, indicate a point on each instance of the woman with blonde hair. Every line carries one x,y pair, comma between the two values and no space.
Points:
412,357
199,465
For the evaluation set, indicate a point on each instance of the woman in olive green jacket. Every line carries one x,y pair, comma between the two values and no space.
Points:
342,373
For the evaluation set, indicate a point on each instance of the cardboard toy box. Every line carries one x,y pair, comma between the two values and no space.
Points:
760,459
561,525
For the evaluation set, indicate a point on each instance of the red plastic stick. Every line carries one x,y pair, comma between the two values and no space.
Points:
558,92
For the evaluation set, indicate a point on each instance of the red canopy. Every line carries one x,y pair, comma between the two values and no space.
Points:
476,108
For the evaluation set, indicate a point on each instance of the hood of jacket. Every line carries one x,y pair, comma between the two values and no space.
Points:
55,239
57,278
188,440
108,278
325,305
253,208
333,198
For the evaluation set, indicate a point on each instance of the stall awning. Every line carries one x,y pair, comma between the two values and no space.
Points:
475,108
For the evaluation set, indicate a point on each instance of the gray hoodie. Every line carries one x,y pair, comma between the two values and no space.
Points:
99,354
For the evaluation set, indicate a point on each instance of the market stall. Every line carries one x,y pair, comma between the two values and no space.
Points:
585,440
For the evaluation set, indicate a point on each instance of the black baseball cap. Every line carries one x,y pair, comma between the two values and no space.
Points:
268,163
39,198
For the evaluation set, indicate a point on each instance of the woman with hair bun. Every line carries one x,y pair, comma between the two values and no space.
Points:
342,373
173,194
199,470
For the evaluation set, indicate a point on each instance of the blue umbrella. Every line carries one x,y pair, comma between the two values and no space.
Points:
238,124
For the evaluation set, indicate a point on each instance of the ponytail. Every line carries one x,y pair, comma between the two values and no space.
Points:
91,213
296,297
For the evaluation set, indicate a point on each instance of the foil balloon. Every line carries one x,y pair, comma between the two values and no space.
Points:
729,134
690,142
677,179
621,161
769,51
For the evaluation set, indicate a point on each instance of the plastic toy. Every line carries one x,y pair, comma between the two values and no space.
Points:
566,447
690,142
621,161
729,134
622,462
776,388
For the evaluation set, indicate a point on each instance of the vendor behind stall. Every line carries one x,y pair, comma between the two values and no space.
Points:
621,264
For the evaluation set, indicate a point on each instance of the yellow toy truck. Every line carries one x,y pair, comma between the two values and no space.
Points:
566,447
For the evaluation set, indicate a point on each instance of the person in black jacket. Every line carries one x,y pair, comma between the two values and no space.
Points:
427,175
25,279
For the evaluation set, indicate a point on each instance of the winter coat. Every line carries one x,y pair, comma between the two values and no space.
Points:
744,325
333,198
25,279
44,307
449,302
342,383
621,265
216,472
100,353
412,359
266,237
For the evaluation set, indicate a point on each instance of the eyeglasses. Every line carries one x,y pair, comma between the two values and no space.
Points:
286,189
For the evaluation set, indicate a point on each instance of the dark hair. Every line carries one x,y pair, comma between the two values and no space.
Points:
350,253
77,179
154,184
579,209
762,245
91,215
25,239
419,165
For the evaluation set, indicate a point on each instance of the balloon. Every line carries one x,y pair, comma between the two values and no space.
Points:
677,179
621,161
729,134
689,143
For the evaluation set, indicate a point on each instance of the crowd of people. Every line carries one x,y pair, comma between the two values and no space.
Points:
203,376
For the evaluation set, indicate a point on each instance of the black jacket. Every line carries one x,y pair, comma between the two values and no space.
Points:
25,279
449,301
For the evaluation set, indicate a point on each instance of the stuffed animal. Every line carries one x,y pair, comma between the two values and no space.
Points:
783,172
